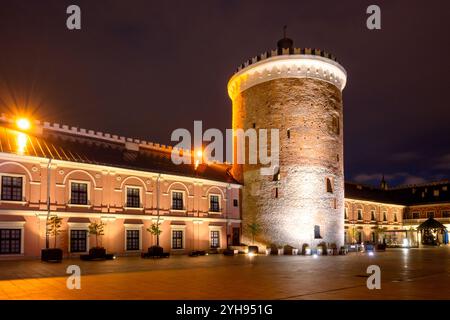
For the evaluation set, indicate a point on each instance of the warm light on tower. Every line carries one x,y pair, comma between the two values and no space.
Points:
23,124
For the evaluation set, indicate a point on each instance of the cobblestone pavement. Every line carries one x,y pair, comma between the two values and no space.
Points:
405,274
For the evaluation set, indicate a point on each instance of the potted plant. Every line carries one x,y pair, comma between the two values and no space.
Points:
254,229
97,229
333,249
306,250
53,229
322,249
155,251
343,250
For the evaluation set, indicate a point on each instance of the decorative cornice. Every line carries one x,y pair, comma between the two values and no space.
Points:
287,66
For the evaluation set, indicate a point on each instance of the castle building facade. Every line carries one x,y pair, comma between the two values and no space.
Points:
84,176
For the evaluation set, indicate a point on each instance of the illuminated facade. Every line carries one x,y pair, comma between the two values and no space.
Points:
299,92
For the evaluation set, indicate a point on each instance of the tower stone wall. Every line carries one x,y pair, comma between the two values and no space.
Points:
299,94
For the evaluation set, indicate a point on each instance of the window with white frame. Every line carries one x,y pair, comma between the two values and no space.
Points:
133,197
10,241
177,200
214,203
215,239
79,193
133,239
78,240
12,188
177,239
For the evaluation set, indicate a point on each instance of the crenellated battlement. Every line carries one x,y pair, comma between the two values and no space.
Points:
129,143
286,51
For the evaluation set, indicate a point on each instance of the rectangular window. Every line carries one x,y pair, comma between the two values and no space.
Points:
133,240
177,239
133,197
329,186
78,193
317,232
445,214
395,217
214,204
430,214
384,216
12,188
177,200
416,215
346,213
78,240
235,203
215,239
360,216
10,240
372,215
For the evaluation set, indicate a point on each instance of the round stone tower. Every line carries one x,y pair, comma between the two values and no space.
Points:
299,92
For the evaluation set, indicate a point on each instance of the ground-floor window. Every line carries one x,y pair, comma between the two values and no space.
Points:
360,236
236,236
215,239
10,240
177,239
373,237
78,240
133,240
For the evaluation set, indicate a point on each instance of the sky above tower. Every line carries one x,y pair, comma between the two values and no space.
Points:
145,68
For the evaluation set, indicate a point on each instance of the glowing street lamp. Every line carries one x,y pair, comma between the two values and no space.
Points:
23,124
198,156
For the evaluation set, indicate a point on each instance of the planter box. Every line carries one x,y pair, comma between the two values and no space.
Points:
294,252
308,251
252,249
51,255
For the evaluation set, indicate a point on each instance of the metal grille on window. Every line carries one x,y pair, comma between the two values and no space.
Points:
78,193
177,200
133,198
132,239
10,240
12,188
78,240
177,239
215,239
214,203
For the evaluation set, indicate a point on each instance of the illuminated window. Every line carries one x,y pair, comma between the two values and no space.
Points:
177,239
78,240
133,239
133,197
215,239
329,186
10,241
177,200
317,232
436,193
12,188
79,193
214,203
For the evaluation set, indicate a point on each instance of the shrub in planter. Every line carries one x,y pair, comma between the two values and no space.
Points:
334,250
287,250
323,247
343,250
273,249
306,250
268,250
381,247
252,249
53,229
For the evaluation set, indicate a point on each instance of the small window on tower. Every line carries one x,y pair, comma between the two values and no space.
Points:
277,176
275,193
329,186
317,232
254,125
289,134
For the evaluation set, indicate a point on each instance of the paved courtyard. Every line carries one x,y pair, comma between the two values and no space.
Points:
405,274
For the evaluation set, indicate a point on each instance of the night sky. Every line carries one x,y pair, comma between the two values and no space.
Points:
144,68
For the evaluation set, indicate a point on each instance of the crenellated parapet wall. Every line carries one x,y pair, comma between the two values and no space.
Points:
287,63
